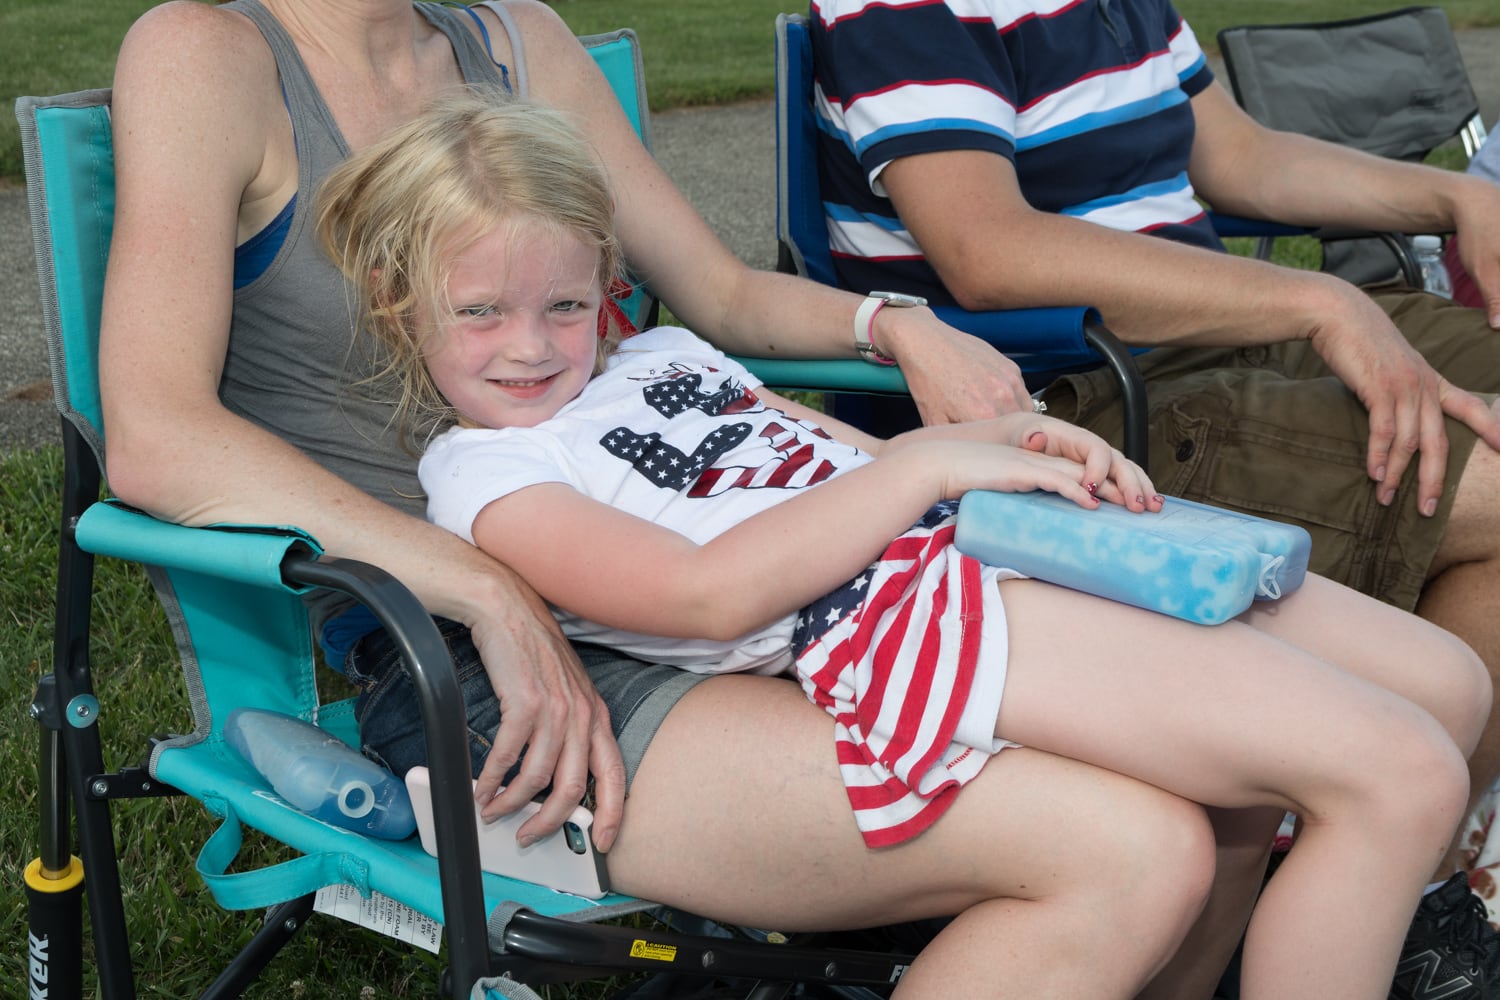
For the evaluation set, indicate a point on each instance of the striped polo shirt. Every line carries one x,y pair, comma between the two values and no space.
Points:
1088,98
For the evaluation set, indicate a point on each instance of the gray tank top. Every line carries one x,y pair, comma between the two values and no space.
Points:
293,364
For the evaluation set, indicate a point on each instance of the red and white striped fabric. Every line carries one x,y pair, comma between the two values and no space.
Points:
911,668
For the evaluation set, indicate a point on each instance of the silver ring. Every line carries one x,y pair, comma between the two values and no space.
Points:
1037,406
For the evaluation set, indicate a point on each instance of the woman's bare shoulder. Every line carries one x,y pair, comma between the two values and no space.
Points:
195,45
195,101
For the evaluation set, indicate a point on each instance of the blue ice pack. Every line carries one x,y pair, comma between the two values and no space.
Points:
1191,561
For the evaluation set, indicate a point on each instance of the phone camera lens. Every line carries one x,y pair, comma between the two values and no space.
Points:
574,835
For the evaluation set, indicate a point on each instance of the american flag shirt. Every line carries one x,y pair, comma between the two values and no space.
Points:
673,432
908,657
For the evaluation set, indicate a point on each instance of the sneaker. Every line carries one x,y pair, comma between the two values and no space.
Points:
1451,951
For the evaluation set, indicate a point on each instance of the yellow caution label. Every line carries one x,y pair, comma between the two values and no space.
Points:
653,952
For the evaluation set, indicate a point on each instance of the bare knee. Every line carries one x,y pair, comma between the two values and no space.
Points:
1460,688
1471,693
1418,789
1164,857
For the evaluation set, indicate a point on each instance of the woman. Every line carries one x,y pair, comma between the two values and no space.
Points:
223,404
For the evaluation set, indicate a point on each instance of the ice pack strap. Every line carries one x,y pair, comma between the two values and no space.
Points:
1269,584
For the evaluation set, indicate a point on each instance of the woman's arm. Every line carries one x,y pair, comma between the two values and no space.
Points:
953,376
194,131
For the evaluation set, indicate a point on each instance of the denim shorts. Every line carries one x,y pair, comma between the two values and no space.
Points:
638,695
1270,430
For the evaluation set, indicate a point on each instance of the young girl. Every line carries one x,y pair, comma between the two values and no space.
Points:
667,504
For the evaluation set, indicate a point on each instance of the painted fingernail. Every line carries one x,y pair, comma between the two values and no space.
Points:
1092,488
1158,498
1140,500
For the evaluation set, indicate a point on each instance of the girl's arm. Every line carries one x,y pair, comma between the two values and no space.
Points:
625,572
1116,478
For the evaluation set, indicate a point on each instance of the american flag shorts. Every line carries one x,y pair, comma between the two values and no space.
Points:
909,658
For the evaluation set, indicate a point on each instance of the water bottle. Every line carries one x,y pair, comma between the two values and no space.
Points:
1429,253
1191,561
320,774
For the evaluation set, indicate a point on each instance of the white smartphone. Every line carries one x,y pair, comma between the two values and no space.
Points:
566,860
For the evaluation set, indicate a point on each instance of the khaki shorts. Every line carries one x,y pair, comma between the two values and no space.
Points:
1271,431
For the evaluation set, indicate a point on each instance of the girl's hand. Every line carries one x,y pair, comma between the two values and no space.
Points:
952,468
1092,464
1107,474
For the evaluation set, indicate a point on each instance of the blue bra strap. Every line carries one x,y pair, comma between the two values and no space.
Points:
485,34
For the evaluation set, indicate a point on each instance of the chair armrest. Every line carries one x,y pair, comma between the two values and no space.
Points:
291,560
1028,333
1228,226
246,554
845,375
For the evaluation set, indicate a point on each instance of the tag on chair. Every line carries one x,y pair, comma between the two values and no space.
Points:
381,914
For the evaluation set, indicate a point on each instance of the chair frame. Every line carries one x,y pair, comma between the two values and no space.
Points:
71,205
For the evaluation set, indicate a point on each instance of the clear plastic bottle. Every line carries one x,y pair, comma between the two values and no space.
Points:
321,775
1429,253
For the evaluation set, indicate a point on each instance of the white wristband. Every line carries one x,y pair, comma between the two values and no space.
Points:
864,322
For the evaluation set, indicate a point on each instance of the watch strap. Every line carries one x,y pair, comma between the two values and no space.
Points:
864,323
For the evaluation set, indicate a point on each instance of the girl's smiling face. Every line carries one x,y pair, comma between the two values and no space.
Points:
517,337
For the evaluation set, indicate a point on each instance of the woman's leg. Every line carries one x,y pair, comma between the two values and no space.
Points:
1243,838
1067,880
1236,717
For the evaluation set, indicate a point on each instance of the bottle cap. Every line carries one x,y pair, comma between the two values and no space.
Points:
356,799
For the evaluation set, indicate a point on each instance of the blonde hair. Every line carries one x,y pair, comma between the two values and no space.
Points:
394,215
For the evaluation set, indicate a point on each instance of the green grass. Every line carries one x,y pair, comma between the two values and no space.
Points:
696,53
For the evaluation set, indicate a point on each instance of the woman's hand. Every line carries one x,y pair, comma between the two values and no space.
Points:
550,709
953,376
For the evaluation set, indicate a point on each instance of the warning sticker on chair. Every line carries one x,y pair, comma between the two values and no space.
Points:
381,914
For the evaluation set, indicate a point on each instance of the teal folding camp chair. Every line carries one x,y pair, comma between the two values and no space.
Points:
1041,341
234,598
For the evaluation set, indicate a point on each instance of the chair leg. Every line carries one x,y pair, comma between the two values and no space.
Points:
66,707
54,884
282,924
